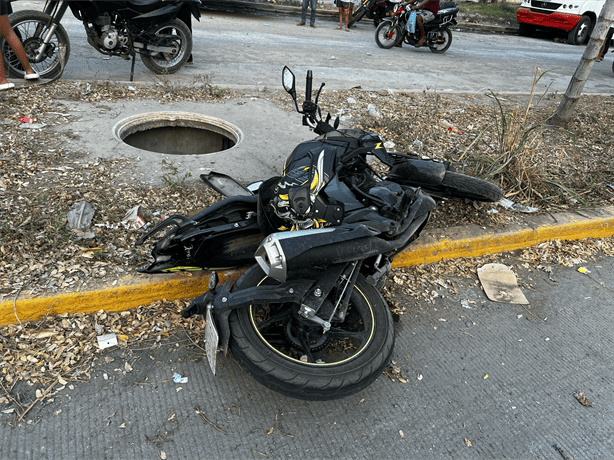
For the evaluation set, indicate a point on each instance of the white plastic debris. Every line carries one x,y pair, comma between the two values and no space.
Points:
177,378
373,112
418,145
351,100
80,215
509,204
389,145
107,341
132,218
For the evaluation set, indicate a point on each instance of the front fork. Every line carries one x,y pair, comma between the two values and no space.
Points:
310,294
56,11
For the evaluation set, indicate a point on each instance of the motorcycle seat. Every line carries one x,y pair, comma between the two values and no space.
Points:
447,12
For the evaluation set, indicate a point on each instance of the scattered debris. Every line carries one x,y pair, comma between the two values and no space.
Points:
562,453
450,127
177,378
509,204
393,372
500,285
467,442
202,415
582,399
107,340
583,270
132,219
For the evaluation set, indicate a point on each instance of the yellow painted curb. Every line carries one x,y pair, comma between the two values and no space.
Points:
432,246
474,241
179,286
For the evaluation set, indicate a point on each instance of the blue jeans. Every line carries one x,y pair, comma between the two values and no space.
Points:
312,4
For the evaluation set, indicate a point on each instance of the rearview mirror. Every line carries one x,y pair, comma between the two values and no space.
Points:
287,79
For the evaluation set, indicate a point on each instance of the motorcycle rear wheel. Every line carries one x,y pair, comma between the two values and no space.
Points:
357,16
347,359
30,27
446,37
460,185
176,32
387,35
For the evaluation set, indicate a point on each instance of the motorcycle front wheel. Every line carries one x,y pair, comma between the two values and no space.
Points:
442,42
174,34
387,34
357,16
31,27
292,356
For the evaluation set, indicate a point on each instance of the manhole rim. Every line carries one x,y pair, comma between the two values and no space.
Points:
125,127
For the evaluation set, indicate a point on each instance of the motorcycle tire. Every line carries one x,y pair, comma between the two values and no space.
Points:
357,16
30,27
460,185
446,35
387,35
347,359
166,63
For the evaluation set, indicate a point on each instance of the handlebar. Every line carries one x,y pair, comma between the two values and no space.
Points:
308,83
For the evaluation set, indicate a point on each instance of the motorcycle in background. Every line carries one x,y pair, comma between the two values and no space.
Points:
373,9
114,28
307,319
438,34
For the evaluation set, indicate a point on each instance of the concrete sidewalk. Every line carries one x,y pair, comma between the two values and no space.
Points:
432,246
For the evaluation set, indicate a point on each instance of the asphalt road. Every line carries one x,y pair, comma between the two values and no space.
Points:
249,51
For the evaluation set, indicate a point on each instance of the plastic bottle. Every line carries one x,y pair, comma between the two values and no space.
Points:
450,127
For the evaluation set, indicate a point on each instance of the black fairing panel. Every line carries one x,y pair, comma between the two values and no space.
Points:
223,235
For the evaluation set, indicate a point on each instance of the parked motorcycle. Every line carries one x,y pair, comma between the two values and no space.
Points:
438,34
114,28
308,319
373,9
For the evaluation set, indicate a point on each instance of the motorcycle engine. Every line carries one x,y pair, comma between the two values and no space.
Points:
110,37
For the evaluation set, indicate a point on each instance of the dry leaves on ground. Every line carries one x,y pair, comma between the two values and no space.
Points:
61,349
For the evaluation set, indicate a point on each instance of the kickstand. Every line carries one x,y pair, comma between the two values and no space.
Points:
132,67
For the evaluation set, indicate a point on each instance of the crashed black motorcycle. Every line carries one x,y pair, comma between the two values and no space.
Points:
308,319
114,28
437,32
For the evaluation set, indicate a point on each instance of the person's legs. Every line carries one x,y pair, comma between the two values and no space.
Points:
314,7
345,12
340,18
6,31
420,24
304,12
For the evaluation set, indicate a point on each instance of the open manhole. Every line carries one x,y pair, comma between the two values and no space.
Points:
178,133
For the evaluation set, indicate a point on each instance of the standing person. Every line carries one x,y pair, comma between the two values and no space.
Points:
6,31
313,5
343,11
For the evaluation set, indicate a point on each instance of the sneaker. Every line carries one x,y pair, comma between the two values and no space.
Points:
347,29
339,27
312,25
7,86
31,76
301,24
